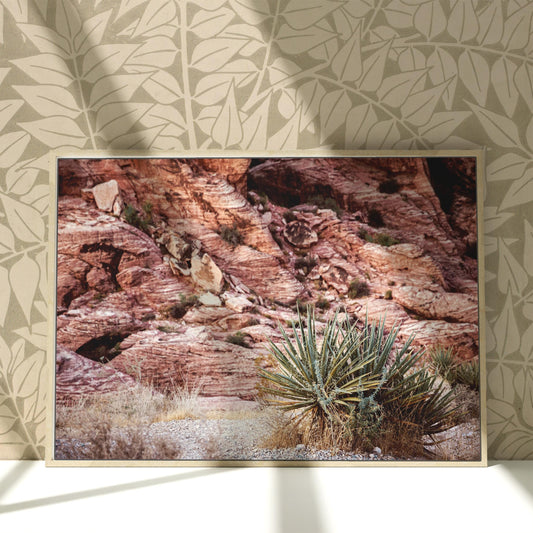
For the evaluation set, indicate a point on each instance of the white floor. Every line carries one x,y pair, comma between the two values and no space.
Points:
497,499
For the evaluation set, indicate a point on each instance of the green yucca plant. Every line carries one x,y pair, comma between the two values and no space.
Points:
468,374
355,380
444,363
323,380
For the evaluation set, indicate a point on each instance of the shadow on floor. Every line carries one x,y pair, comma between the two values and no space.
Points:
14,475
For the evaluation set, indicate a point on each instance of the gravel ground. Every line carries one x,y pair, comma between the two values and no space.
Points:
240,439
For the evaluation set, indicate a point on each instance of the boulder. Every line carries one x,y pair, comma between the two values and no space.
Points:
206,273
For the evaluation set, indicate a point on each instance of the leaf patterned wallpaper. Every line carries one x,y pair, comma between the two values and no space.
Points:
180,75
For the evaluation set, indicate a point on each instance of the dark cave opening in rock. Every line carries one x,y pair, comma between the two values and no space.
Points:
102,349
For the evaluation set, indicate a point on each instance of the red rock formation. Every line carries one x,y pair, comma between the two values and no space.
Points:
128,298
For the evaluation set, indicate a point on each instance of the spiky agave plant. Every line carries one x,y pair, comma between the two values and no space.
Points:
321,380
355,370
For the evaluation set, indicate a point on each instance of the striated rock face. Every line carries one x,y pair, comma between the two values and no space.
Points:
190,357
78,377
157,292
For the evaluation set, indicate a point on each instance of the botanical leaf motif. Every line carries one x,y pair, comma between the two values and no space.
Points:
105,59
396,88
419,107
491,23
528,248
37,197
502,77
475,74
7,109
516,445
251,12
24,220
326,51
213,88
442,124
163,87
301,14
20,414
506,332
36,335
282,69
347,64
56,131
6,290
157,52
345,24
227,129
462,22
502,130
17,8
502,416
113,120
128,5
46,40
333,110
500,383
42,261
156,15
250,35
516,29
206,118
297,42
287,103
49,100
511,275
12,145
359,121
287,137
92,32
524,83
68,21
524,390
494,219
384,134
412,59
163,115
529,134
46,68
207,24
7,241
374,67
20,180
507,167
115,89
399,14
255,127
519,192
308,97
24,277
526,342
213,54
138,140
430,19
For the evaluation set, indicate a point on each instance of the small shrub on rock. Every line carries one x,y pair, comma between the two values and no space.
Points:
231,234
238,338
375,219
358,288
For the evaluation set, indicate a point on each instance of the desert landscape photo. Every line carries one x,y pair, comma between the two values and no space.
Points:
267,309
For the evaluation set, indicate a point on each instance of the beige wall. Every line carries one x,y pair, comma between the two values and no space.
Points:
180,75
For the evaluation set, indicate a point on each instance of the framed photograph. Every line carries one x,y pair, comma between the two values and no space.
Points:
267,309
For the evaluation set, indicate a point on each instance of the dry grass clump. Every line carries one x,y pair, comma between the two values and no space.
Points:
115,426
